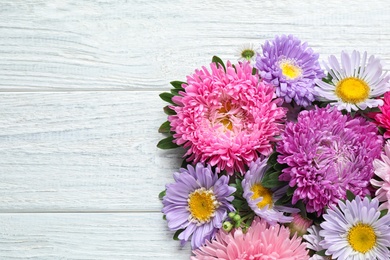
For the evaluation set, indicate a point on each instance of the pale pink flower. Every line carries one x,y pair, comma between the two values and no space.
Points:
382,170
261,241
226,119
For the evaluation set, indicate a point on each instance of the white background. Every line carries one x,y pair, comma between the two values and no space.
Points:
80,173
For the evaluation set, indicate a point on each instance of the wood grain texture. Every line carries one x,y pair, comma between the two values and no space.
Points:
79,108
88,236
88,45
82,151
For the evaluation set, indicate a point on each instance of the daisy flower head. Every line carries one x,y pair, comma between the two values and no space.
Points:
327,153
355,82
226,118
382,118
246,52
261,199
261,241
292,67
382,170
354,230
197,202
313,240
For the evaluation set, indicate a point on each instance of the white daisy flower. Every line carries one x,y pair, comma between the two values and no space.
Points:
355,84
246,52
355,231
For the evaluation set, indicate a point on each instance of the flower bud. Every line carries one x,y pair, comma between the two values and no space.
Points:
227,226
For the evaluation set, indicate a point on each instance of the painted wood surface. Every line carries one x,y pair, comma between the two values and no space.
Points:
79,108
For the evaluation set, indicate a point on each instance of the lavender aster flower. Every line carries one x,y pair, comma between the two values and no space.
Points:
328,153
260,199
197,202
292,67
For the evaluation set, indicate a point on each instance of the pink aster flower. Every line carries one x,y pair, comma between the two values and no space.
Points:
382,170
261,241
328,153
383,118
226,119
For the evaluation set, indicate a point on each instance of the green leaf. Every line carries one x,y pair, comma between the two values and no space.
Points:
162,194
165,127
164,217
177,84
271,180
321,253
350,195
302,208
254,71
290,191
272,160
176,91
384,212
167,143
283,200
169,111
177,233
218,60
167,97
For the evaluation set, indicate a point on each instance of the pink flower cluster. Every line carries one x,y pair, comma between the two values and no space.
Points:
226,119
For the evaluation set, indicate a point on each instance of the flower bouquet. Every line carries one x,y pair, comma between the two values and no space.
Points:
284,158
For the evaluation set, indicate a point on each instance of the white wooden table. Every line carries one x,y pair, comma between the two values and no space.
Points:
79,108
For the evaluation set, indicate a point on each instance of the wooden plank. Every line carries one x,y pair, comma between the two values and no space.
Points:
88,236
82,151
84,45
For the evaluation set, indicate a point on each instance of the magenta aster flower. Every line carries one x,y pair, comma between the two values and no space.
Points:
262,200
197,202
382,170
383,118
328,153
292,67
261,241
226,119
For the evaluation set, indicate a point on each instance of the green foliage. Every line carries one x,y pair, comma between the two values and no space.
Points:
178,84
167,97
162,194
350,195
165,127
167,143
177,233
169,111
218,60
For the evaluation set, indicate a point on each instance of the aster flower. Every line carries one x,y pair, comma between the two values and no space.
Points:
354,84
383,118
260,199
326,154
382,170
226,119
292,67
197,202
354,230
246,52
313,240
261,241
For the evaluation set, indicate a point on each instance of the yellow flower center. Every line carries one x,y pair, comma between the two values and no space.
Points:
289,69
361,238
225,120
260,192
202,205
352,90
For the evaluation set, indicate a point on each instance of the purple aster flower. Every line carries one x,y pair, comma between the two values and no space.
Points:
197,202
292,67
328,153
262,200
